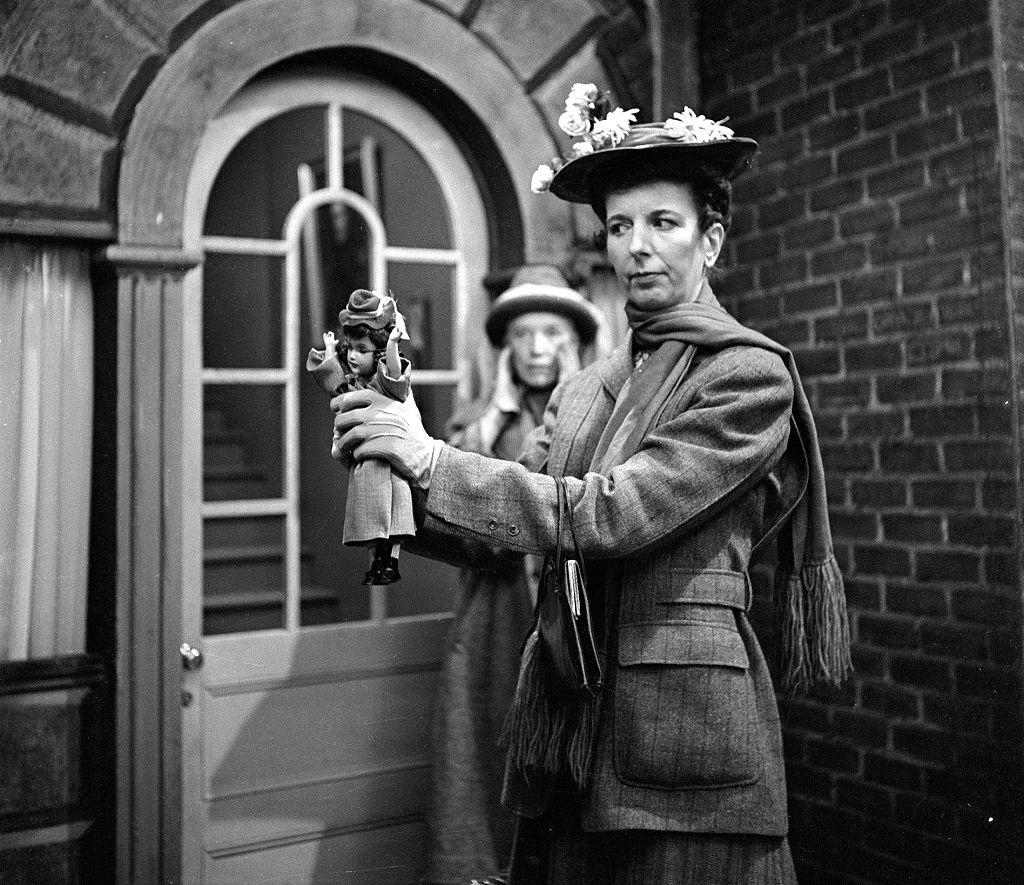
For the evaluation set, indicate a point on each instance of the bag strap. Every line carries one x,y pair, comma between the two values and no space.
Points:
558,524
563,494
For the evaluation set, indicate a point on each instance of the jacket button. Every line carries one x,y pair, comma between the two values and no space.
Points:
513,529
493,525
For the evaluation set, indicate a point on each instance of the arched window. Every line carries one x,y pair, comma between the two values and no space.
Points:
328,184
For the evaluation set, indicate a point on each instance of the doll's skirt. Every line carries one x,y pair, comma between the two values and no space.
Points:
378,504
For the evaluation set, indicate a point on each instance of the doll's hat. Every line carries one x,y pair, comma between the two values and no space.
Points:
540,287
369,309
611,139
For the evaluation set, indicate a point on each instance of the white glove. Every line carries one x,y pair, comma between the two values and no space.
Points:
369,424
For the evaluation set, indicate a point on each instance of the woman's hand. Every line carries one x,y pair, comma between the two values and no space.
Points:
568,353
506,391
504,396
369,424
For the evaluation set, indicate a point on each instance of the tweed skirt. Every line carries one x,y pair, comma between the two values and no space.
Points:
554,850
378,504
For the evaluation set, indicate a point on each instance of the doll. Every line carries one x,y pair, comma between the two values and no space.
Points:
378,508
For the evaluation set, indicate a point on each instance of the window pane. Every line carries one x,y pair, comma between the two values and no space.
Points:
424,295
243,574
408,197
258,183
436,404
242,311
335,260
242,457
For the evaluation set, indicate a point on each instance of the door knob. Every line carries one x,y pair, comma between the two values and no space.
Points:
191,658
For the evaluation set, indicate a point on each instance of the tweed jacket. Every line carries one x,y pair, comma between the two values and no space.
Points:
688,735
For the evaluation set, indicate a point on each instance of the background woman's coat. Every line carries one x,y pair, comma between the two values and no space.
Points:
470,832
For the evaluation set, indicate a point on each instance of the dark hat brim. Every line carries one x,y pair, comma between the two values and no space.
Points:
575,180
582,314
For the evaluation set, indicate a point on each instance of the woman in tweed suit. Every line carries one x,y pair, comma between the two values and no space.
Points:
687,452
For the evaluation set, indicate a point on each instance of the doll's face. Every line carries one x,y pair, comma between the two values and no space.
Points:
361,355
535,340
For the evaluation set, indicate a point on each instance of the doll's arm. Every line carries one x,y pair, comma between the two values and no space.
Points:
326,367
391,355
393,372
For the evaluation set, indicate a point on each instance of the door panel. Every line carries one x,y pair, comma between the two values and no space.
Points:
356,857
316,749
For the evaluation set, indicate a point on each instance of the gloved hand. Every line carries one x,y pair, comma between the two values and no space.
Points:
369,424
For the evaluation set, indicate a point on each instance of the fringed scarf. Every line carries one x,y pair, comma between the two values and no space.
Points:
555,734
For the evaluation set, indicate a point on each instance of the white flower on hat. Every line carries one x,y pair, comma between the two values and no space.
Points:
541,180
582,95
613,128
694,128
589,117
575,121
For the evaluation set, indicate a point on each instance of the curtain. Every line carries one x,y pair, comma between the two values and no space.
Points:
46,381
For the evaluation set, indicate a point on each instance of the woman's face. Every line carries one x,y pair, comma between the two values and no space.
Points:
361,355
535,340
655,243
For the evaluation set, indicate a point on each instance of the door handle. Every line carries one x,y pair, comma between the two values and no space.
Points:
191,658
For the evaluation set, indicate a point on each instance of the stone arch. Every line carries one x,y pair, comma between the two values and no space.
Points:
230,49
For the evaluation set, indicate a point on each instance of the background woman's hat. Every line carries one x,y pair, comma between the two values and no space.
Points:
653,145
368,308
541,287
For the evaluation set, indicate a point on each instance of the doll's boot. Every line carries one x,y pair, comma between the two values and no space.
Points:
372,576
379,568
388,555
389,573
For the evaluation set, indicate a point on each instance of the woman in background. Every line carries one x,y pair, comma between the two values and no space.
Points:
538,327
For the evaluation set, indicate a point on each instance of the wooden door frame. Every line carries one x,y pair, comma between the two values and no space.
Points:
151,263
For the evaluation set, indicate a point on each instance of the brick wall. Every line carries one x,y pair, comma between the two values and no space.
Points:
870,239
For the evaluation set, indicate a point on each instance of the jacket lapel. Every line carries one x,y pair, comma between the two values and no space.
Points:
582,414
615,369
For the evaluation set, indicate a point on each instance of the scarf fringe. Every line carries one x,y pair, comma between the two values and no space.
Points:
545,733
815,626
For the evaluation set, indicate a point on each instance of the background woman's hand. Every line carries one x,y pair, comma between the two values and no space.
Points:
504,395
568,353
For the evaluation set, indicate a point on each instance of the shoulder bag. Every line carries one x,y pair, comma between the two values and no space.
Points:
564,624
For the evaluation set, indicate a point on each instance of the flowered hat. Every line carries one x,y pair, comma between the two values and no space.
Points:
612,137
540,287
369,309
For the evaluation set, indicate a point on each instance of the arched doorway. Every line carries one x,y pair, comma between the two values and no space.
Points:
304,732
492,114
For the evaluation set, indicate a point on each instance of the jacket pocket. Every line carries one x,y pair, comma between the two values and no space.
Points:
685,715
